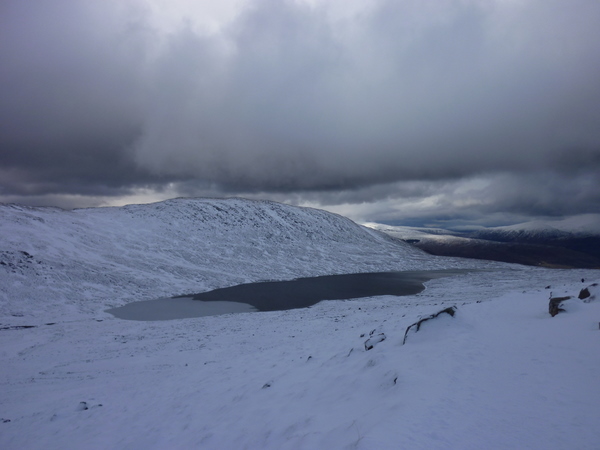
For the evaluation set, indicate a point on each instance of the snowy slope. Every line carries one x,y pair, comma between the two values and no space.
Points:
96,258
500,374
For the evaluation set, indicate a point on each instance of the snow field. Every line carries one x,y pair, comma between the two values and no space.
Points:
500,374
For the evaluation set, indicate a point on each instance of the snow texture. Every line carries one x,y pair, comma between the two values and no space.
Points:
500,373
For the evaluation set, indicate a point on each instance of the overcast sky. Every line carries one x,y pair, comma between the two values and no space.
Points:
441,112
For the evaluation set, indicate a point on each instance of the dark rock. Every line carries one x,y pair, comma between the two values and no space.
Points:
554,307
417,325
587,295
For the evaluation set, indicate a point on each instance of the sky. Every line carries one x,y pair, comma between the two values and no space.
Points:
451,113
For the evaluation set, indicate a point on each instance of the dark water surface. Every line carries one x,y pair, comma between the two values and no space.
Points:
304,292
282,295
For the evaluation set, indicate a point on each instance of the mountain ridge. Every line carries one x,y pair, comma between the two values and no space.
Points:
568,245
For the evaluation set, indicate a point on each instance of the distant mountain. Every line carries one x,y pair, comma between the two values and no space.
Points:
136,252
567,243
579,235
581,226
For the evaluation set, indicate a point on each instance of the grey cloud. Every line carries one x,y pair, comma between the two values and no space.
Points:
399,102
490,200
285,100
545,194
71,104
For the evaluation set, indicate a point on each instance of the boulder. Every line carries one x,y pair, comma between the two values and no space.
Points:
554,307
589,293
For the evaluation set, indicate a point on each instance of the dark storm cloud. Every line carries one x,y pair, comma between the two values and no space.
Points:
490,200
71,98
544,194
292,102
301,103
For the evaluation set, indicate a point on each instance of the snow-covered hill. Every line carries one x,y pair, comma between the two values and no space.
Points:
501,373
416,233
573,242
581,226
578,226
89,259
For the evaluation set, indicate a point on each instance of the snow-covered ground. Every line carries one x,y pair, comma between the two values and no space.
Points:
501,373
